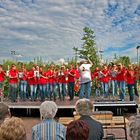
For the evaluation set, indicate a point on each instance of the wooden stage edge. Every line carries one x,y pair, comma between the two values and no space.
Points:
67,104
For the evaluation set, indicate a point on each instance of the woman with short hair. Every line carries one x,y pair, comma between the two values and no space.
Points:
48,129
13,129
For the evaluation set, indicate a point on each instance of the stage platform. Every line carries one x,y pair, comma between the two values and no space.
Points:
117,107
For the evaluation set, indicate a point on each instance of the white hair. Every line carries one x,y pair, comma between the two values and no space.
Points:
48,109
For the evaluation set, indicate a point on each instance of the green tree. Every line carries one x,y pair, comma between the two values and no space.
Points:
88,47
125,60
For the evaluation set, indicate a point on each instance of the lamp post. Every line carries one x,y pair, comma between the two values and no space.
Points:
101,55
13,53
137,54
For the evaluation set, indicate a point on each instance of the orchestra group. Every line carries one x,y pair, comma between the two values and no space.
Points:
58,82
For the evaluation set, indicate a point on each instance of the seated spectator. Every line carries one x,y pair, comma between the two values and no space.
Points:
134,127
77,130
13,129
4,112
84,108
48,129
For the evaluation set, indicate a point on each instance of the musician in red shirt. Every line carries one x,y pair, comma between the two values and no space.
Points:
121,79
51,82
71,75
2,77
105,80
130,81
33,76
136,80
42,83
113,79
96,75
23,82
13,82
62,82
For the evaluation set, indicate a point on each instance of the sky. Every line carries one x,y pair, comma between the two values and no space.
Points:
51,28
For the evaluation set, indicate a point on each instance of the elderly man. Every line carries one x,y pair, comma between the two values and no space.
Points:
4,112
49,129
84,108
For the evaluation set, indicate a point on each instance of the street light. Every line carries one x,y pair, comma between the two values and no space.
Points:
137,54
101,56
13,53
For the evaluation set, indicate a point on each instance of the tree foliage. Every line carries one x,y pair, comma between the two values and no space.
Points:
88,47
125,60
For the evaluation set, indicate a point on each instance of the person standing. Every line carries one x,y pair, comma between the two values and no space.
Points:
23,82
105,80
121,79
2,77
42,83
62,82
51,82
32,81
130,81
13,82
136,81
71,80
113,79
85,78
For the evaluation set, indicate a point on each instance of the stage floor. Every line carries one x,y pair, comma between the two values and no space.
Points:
97,101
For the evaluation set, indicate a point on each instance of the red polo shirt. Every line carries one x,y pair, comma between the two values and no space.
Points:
51,76
70,77
24,78
2,75
13,76
31,79
106,76
121,76
42,80
130,77
62,77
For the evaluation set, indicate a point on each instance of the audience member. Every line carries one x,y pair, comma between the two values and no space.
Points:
49,129
134,127
84,108
4,112
77,130
13,129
